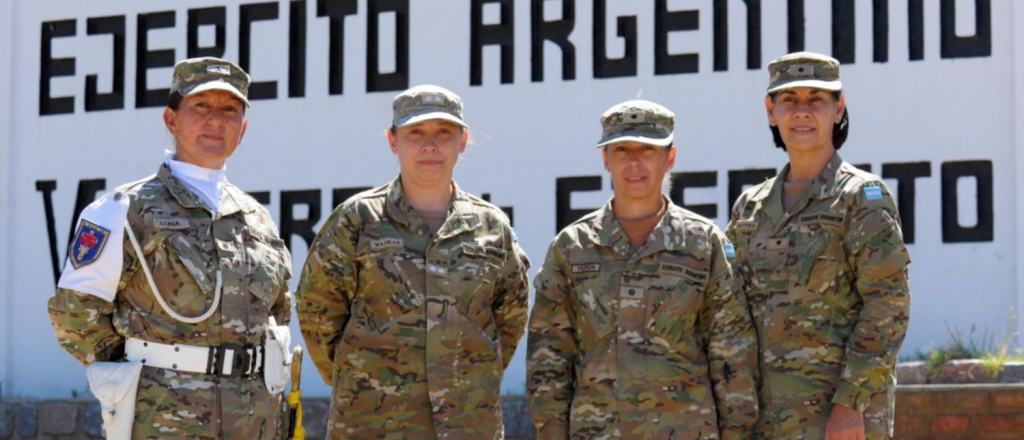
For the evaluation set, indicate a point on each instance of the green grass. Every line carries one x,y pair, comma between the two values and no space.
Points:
993,354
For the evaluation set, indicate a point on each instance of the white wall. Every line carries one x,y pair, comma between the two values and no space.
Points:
6,213
528,135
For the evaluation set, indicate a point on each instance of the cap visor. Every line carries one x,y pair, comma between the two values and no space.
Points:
832,86
423,117
218,85
662,142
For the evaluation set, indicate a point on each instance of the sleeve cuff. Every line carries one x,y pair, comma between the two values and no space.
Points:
852,396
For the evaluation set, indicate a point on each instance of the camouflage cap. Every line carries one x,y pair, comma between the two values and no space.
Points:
197,75
637,121
804,69
426,102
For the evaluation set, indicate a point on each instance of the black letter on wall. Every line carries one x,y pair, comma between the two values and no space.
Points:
915,26
795,20
301,227
977,45
843,31
605,67
217,17
501,34
738,179
880,40
564,187
95,101
248,14
665,22
87,190
336,10
557,32
399,80
906,191
50,67
146,59
263,197
721,33
952,232
704,179
297,49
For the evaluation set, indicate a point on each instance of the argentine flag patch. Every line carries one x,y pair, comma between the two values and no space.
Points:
873,193
730,251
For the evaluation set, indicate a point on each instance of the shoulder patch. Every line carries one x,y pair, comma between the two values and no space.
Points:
88,243
730,251
872,193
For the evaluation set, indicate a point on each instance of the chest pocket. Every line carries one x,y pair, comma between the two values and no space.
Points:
596,295
820,255
384,284
183,265
674,302
266,263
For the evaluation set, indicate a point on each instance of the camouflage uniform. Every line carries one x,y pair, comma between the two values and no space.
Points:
655,344
184,245
413,330
828,291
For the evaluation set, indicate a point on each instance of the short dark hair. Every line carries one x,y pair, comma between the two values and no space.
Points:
174,101
840,131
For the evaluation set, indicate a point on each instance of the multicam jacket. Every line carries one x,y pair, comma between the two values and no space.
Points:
413,330
184,244
828,291
653,344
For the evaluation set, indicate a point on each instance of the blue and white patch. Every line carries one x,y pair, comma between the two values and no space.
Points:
873,193
88,244
96,255
730,251
515,239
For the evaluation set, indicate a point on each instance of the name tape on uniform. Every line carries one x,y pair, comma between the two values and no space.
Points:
482,251
746,225
697,276
823,217
170,223
386,243
586,268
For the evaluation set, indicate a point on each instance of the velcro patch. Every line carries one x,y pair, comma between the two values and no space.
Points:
386,243
586,268
170,223
437,270
88,243
746,226
218,69
823,217
873,193
730,251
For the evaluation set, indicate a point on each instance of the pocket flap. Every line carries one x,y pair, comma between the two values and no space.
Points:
112,381
193,261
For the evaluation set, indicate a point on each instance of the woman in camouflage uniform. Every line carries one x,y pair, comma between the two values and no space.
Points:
638,329
821,253
194,306
413,296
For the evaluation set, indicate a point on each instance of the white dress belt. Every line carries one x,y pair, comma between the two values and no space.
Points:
226,360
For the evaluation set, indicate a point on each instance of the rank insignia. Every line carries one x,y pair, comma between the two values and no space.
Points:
88,243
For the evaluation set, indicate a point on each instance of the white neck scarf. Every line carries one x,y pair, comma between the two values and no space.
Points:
206,183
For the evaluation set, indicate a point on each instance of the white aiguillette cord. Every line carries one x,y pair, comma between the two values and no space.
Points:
156,293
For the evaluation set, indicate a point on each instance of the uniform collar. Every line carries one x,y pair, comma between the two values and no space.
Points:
665,236
229,202
823,187
461,215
